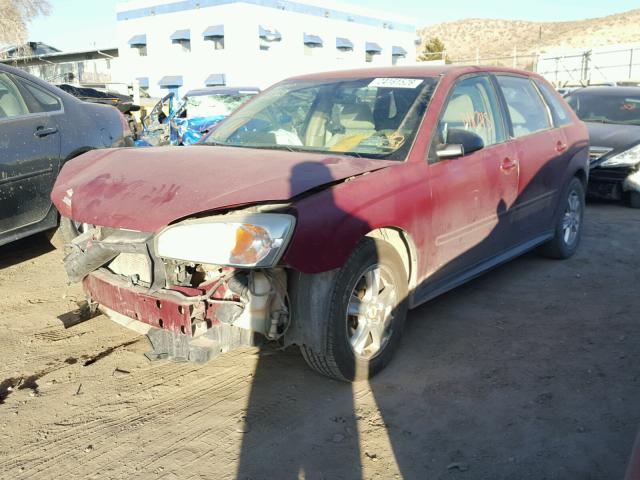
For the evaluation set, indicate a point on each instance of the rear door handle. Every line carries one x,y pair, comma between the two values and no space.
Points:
43,132
507,165
560,147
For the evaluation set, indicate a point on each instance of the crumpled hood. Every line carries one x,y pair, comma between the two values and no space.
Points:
147,188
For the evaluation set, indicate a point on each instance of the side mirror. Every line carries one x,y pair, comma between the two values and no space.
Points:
450,150
460,142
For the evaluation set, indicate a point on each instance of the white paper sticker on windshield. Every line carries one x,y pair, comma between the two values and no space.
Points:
395,82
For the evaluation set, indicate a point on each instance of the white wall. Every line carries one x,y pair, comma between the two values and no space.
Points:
242,61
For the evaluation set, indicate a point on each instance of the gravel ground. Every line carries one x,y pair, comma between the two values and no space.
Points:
531,371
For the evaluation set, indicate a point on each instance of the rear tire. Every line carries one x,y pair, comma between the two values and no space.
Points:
634,199
368,308
568,228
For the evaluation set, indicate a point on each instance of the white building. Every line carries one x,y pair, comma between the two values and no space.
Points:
171,44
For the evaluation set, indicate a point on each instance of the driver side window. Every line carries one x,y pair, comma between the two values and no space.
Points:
472,106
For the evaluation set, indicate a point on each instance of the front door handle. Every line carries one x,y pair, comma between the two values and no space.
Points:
43,132
508,164
560,147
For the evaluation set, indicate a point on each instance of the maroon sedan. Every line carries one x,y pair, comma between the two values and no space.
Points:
322,210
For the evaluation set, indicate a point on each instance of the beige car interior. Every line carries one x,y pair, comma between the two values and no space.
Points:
461,113
11,102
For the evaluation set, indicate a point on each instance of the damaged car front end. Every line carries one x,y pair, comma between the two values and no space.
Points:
194,262
193,299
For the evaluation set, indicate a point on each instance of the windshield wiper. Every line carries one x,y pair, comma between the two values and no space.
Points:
274,147
212,143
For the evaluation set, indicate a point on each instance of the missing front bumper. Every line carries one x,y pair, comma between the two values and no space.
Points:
131,307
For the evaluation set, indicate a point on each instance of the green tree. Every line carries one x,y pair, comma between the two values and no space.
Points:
433,49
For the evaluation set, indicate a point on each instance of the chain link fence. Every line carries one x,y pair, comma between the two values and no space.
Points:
606,65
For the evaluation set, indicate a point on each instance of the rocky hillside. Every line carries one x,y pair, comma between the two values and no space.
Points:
496,38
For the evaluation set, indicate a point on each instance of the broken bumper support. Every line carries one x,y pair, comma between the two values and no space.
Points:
179,327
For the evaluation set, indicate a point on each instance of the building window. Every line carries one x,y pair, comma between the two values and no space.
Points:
311,42
268,36
397,54
344,47
344,44
182,38
218,43
215,34
139,43
372,49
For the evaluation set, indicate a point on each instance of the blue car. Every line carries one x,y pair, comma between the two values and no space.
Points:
198,111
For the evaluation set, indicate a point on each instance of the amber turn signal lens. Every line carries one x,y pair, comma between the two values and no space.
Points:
250,241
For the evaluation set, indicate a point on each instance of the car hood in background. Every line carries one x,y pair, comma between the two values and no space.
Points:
614,136
145,189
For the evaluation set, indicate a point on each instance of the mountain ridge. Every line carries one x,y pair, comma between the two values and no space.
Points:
468,39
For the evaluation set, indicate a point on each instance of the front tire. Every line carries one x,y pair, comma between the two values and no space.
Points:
368,308
568,228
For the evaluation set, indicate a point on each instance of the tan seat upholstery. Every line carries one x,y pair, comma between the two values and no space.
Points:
11,103
357,120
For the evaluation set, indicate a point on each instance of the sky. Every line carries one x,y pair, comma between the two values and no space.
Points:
86,24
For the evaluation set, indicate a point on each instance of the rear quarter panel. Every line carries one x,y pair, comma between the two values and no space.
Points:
87,126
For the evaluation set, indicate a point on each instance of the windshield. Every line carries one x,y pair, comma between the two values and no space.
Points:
211,105
373,117
622,109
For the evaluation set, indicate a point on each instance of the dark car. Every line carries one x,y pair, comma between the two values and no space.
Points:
319,212
612,115
42,127
124,103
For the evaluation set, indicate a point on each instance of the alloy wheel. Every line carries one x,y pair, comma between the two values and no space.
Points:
572,218
370,312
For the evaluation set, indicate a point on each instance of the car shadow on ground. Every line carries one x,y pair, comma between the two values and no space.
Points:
524,359
24,250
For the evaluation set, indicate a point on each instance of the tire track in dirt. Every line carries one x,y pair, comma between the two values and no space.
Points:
193,401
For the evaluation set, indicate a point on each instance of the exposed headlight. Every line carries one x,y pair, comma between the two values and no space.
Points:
255,240
627,158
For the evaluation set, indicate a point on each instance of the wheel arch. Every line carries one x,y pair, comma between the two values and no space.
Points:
581,175
404,245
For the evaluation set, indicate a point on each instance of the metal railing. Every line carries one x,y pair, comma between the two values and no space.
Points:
600,65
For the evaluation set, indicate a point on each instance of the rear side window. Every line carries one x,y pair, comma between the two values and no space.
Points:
528,112
558,109
11,102
472,106
38,100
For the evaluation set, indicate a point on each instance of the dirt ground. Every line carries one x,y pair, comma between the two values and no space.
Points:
532,371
